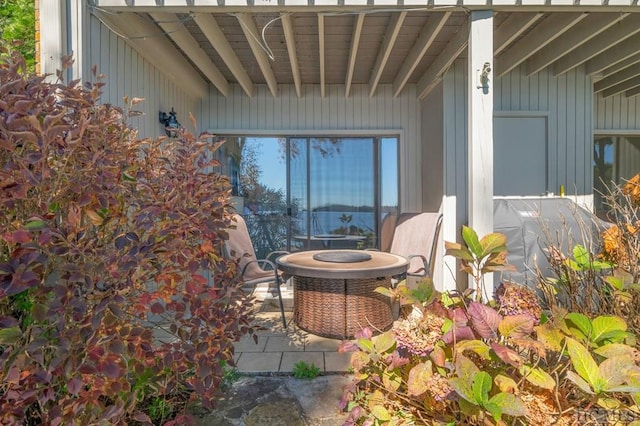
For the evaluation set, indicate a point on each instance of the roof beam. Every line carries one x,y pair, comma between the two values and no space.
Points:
621,87
420,47
175,29
287,27
618,53
628,27
632,92
393,29
251,33
512,28
620,65
617,78
548,30
150,42
321,53
449,54
218,40
353,53
578,35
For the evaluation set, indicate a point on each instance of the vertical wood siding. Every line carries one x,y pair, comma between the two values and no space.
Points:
128,74
311,114
617,113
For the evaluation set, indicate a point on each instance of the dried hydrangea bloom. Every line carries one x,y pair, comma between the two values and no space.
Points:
417,336
440,389
514,299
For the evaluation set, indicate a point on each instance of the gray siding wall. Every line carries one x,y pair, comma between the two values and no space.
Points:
312,115
618,113
128,74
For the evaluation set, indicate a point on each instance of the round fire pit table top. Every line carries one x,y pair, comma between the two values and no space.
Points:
380,264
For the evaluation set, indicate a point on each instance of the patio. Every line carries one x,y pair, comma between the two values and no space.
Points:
279,349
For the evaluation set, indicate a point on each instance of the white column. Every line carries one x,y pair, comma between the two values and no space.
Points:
52,36
480,126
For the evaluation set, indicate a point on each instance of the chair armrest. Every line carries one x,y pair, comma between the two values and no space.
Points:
424,271
278,252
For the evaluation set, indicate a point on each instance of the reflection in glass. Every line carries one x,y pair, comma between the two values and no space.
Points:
616,159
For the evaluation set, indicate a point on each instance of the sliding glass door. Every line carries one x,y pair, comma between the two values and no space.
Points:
315,192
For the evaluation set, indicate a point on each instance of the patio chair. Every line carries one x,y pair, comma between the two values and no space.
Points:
254,271
415,236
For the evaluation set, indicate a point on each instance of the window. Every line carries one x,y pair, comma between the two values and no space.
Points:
616,159
315,192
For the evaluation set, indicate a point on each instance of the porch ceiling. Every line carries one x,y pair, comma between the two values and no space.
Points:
374,46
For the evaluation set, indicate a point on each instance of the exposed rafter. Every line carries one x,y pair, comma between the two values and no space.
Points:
606,39
632,92
548,30
622,51
578,35
449,54
216,37
512,28
290,39
149,41
393,28
621,87
617,78
620,65
428,34
251,33
353,52
172,26
321,53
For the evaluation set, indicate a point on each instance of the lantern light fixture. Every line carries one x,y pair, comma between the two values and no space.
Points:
170,122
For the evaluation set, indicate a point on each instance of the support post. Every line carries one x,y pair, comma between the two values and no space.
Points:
480,128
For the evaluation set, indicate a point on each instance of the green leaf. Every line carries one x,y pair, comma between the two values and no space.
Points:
417,381
470,238
460,253
494,409
580,382
615,370
615,282
481,387
505,383
10,335
516,326
380,413
365,345
384,342
616,349
385,291
510,404
582,327
477,346
603,325
493,243
34,224
581,255
538,377
584,364
463,388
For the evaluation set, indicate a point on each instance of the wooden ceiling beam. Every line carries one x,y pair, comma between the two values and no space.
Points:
212,31
353,52
631,83
253,36
615,68
450,53
512,28
545,32
579,34
150,42
617,78
621,51
393,29
171,25
290,39
626,28
420,47
632,92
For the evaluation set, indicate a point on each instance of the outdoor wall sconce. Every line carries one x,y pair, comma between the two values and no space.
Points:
169,121
483,77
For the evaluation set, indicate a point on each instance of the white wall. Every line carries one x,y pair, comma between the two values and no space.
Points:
311,115
128,74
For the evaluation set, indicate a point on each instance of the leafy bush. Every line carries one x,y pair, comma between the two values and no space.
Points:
302,370
106,311
505,361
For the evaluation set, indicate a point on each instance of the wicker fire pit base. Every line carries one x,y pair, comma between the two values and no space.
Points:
338,308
